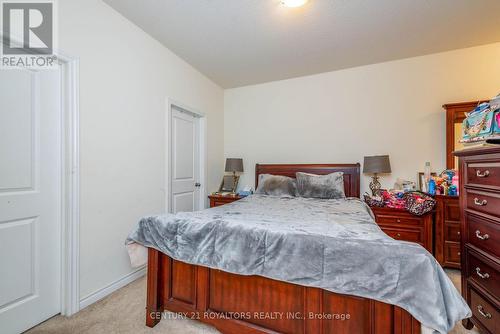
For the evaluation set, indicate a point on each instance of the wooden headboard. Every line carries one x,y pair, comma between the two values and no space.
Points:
351,173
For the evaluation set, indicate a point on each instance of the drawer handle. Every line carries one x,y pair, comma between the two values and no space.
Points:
480,203
398,235
458,232
482,237
458,253
481,311
483,276
485,174
399,220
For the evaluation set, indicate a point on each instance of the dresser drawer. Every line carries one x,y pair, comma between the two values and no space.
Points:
484,312
452,232
387,220
485,202
483,272
483,173
452,252
405,235
484,234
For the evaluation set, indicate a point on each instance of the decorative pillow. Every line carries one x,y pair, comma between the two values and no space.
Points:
276,185
329,186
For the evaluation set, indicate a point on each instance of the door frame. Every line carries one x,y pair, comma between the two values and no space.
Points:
202,201
70,158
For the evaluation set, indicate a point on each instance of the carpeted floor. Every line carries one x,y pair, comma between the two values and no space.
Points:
124,312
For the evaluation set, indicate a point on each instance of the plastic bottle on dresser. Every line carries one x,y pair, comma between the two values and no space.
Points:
454,181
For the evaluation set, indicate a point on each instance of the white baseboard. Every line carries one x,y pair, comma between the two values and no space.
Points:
120,283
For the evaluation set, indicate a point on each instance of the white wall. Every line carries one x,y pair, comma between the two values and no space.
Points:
125,76
339,117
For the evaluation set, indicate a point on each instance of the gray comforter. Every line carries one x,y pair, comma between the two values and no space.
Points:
329,244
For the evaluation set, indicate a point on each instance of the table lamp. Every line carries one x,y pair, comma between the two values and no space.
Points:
234,165
377,164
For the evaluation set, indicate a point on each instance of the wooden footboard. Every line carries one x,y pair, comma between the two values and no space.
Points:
237,304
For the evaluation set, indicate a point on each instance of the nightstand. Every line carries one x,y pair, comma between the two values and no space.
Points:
402,225
218,200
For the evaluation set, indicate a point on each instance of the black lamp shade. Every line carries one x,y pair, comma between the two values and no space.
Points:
234,165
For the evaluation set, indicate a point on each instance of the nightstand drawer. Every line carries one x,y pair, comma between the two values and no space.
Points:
218,200
405,235
402,225
217,203
387,220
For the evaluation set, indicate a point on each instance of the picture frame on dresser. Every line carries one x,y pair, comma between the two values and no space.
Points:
229,183
421,179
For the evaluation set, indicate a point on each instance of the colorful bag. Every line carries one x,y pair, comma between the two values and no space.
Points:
482,123
418,203
373,201
478,125
393,199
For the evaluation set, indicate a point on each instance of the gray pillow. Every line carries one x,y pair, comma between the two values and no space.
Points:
329,186
276,185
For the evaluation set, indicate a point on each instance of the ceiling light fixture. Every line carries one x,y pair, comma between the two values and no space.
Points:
293,3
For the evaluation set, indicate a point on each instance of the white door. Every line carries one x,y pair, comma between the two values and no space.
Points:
185,164
30,198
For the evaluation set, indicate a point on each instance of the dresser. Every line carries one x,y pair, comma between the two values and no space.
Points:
480,230
447,231
218,200
402,225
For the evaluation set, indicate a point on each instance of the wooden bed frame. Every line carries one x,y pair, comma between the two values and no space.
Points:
237,304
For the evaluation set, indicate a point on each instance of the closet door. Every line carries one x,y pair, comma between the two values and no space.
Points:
30,198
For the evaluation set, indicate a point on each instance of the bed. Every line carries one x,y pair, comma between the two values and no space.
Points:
235,301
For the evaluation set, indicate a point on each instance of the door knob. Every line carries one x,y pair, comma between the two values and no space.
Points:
197,184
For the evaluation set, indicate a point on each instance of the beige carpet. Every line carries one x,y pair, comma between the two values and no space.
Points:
124,312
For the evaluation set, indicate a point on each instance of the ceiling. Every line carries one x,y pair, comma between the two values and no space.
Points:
242,42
